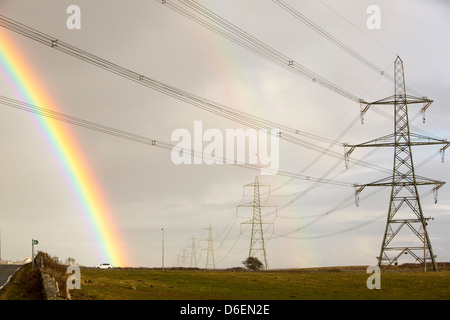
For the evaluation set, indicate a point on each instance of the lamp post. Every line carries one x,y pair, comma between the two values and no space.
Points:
162,229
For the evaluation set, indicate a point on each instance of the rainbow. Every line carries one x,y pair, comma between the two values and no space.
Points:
27,84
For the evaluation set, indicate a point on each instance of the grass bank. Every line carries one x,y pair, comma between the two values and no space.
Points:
26,285
136,284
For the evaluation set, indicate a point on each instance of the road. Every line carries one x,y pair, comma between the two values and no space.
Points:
5,272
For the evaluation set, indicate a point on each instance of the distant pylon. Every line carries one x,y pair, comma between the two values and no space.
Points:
193,253
257,244
181,259
210,261
405,209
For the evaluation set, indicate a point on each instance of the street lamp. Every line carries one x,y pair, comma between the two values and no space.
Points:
162,248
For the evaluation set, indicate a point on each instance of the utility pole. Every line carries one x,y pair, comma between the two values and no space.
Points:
33,242
405,210
257,244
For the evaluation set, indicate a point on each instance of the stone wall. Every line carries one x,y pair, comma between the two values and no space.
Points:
50,287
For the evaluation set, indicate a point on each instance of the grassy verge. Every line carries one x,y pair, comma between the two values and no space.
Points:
26,285
123,284
332,283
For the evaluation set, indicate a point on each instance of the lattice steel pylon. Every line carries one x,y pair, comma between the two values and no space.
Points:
257,244
193,253
405,209
210,260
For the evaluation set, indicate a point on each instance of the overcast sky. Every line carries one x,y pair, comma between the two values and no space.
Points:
147,192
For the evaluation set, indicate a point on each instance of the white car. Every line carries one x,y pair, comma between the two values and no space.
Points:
104,266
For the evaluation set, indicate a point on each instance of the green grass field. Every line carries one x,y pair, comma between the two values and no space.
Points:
138,284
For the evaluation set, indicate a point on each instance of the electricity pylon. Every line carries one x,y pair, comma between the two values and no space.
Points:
257,244
193,253
210,261
181,259
405,209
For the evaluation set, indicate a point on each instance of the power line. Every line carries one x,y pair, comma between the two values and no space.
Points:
226,112
144,140
289,135
235,34
129,136
83,123
325,34
359,29
55,43
71,50
230,31
336,233
344,203
308,22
